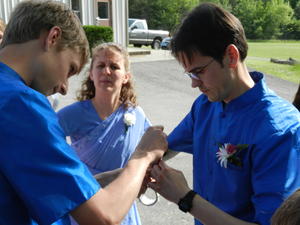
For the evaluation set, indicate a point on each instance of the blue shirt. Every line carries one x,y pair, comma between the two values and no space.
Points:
270,128
36,163
104,145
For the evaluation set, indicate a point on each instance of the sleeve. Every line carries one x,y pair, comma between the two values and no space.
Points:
275,173
143,118
181,138
147,122
38,163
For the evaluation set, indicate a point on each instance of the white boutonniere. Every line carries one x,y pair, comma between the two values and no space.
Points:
230,153
129,120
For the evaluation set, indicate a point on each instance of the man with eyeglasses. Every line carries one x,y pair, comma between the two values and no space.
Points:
245,140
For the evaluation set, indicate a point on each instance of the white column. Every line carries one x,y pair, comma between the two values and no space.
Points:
120,21
91,11
7,8
88,12
2,10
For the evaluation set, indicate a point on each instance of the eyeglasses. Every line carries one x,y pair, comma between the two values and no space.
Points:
194,75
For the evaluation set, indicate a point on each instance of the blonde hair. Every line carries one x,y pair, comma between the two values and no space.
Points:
31,17
289,212
127,95
2,25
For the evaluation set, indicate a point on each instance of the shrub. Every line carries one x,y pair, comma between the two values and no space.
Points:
98,34
291,30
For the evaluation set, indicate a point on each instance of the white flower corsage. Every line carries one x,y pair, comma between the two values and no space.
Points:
129,120
230,153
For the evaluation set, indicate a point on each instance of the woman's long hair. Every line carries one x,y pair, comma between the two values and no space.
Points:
127,95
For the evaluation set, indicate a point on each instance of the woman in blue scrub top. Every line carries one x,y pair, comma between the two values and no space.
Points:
106,124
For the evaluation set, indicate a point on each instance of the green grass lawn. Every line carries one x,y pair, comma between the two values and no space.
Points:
260,52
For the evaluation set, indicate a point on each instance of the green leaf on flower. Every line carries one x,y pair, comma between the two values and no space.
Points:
242,146
235,160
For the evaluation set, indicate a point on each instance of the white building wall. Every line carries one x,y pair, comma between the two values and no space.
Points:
119,15
7,6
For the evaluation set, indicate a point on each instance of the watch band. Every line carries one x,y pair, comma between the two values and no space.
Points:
185,204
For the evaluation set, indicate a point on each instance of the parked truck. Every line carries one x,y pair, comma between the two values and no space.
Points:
140,35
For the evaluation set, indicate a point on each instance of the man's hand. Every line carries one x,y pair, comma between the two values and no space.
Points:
168,182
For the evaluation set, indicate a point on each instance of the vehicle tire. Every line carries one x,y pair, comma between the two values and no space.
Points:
156,44
137,45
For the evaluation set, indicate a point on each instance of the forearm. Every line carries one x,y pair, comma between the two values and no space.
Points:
107,177
208,214
110,204
121,193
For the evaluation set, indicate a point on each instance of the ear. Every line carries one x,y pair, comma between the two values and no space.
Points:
52,38
127,77
233,56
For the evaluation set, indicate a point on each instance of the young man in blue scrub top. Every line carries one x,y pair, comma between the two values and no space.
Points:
41,178
245,140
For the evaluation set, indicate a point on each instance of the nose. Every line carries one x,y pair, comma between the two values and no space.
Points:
64,88
106,70
196,83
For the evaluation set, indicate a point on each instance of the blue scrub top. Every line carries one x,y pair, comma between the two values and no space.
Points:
41,178
269,126
104,145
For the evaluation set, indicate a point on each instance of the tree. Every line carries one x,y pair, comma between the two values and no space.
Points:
161,14
263,19
293,3
250,13
291,30
297,11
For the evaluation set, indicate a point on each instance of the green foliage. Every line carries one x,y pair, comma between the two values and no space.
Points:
161,14
226,4
249,12
293,3
297,11
98,34
291,30
263,19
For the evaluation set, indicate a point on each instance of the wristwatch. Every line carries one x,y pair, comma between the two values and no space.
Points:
185,204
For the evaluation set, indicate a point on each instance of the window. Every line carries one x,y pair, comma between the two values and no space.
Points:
76,8
139,25
103,10
130,21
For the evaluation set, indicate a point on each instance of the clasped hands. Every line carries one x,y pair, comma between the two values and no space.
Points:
167,181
